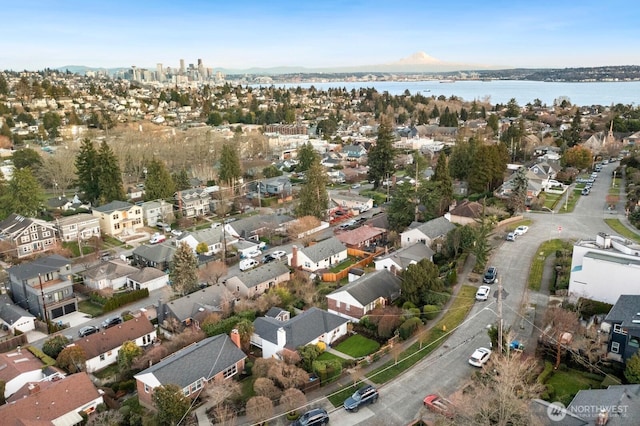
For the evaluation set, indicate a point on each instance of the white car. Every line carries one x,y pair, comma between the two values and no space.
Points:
480,357
176,232
279,254
521,230
483,292
246,264
253,253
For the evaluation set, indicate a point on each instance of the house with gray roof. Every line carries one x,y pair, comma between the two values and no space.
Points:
157,211
108,275
157,256
321,255
27,236
273,335
426,233
44,282
14,317
624,335
193,202
149,278
254,282
81,226
352,201
617,405
400,259
216,358
252,227
359,297
119,218
214,238
195,307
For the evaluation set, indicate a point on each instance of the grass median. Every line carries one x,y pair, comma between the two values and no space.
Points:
432,339
537,265
617,226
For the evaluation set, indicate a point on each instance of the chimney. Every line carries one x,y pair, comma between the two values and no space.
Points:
282,337
33,388
294,257
235,337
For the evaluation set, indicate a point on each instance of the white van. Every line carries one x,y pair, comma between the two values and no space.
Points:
248,264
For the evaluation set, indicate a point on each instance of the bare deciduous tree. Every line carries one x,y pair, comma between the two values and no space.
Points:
292,399
212,272
264,386
220,391
259,409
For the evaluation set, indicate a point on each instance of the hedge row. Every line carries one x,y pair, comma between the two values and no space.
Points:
46,359
122,299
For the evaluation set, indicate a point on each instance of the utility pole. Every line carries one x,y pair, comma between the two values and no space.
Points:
500,314
44,303
416,215
259,202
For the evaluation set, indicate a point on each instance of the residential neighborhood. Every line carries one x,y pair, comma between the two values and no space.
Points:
249,253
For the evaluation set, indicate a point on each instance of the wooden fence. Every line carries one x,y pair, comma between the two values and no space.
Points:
366,261
13,342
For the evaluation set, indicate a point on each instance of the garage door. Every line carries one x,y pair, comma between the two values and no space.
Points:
68,308
57,312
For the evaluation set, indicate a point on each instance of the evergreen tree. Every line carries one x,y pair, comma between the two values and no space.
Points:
513,109
435,113
87,171
380,158
518,196
171,404
158,185
24,194
313,199
306,156
26,157
184,270
109,175
181,180
230,170
442,178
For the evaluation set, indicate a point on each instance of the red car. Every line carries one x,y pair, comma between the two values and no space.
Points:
439,405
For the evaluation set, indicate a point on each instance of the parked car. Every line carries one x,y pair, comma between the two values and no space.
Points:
483,292
105,255
339,213
585,191
87,331
355,186
317,416
511,236
365,395
176,232
268,258
279,254
521,230
110,322
253,253
491,275
246,264
439,405
157,238
480,357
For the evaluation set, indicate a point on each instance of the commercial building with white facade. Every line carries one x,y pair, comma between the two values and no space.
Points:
605,268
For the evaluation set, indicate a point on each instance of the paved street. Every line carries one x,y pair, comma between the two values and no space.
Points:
447,368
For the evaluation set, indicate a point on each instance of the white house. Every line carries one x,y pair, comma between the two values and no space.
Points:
19,367
102,348
277,332
604,269
108,275
149,278
427,232
322,255
14,317
399,260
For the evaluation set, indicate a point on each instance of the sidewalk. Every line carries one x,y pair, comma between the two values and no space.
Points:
317,397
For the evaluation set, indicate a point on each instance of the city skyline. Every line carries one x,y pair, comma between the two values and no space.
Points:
40,34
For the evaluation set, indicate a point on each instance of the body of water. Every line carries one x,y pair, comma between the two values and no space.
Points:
502,91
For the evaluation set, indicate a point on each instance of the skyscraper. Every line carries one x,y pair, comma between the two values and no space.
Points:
159,72
182,70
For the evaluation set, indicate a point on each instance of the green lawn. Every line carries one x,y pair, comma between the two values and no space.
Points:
523,222
90,308
537,266
566,384
358,346
350,261
73,247
109,371
550,200
326,356
574,196
455,315
622,230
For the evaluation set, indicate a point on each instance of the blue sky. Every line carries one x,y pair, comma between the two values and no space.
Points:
318,33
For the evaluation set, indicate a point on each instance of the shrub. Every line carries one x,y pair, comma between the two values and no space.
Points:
546,373
452,278
589,308
46,359
408,305
430,311
122,299
409,327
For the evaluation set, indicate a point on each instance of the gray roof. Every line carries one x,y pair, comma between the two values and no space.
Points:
41,265
301,329
209,298
146,274
9,312
209,236
372,286
112,269
14,224
249,224
203,359
413,253
77,218
625,311
324,249
156,252
114,206
434,228
262,273
626,398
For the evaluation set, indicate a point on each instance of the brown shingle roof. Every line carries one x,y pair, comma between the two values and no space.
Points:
111,338
13,364
360,235
54,399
